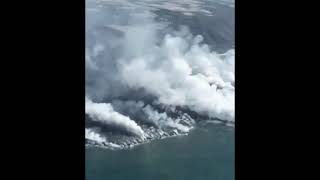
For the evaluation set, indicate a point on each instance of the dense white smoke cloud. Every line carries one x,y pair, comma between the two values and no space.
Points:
178,70
103,112
182,72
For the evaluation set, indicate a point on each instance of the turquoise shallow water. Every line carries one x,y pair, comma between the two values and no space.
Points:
206,153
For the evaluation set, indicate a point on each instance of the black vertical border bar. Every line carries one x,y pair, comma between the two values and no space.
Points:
45,71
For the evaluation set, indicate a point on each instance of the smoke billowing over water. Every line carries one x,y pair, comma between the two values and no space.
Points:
150,76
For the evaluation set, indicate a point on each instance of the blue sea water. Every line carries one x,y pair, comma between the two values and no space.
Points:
207,153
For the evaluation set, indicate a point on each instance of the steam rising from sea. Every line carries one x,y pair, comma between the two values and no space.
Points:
146,80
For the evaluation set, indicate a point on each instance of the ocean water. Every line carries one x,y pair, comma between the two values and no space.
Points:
207,153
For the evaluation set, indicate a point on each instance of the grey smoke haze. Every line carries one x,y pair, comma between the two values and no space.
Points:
133,62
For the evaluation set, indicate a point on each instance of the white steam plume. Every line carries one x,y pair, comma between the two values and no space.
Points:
148,113
104,113
163,120
93,136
